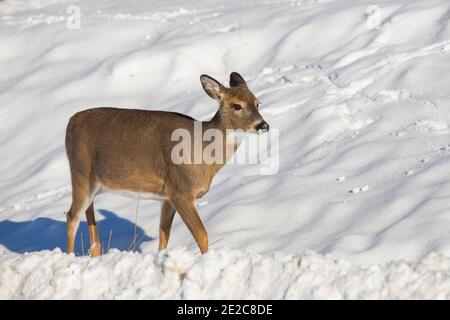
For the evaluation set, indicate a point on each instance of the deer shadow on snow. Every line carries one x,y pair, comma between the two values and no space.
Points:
48,234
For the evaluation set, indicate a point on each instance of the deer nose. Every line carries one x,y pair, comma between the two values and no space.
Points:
262,126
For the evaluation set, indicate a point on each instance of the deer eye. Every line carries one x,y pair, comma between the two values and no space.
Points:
237,107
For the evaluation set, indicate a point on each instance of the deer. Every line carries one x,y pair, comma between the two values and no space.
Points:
129,151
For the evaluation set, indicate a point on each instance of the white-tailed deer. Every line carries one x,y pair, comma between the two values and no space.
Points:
128,150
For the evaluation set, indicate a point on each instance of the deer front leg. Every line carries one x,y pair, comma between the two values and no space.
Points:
189,214
165,224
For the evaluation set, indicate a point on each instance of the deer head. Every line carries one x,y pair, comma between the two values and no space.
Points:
238,105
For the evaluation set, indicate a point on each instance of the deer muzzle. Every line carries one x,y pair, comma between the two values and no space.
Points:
262,126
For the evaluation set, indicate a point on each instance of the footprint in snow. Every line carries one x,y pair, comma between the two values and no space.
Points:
360,189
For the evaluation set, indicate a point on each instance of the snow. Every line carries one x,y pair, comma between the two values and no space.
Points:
220,274
358,89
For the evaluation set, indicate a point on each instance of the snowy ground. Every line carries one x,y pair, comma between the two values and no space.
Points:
221,274
360,91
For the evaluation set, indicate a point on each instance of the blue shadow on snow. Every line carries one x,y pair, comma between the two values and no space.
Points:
47,234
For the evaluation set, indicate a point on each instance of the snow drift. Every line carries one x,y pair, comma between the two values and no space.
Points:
220,274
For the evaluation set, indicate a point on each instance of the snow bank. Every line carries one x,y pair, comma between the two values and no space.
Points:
221,274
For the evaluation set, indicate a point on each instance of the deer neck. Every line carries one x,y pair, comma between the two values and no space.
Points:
220,122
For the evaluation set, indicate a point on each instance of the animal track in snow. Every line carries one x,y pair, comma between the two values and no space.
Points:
276,110
360,189
368,75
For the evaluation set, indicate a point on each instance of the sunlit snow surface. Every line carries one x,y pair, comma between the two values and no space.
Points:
221,274
360,91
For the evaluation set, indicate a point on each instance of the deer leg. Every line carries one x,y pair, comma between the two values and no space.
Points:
188,212
165,223
95,246
80,202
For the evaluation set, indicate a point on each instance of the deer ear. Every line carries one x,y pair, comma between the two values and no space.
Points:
236,80
212,87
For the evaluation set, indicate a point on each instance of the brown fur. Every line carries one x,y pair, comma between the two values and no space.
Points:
129,149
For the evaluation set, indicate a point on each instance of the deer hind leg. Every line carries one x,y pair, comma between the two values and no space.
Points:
165,223
95,246
188,212
80,202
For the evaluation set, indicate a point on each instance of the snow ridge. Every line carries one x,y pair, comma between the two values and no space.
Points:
220,274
